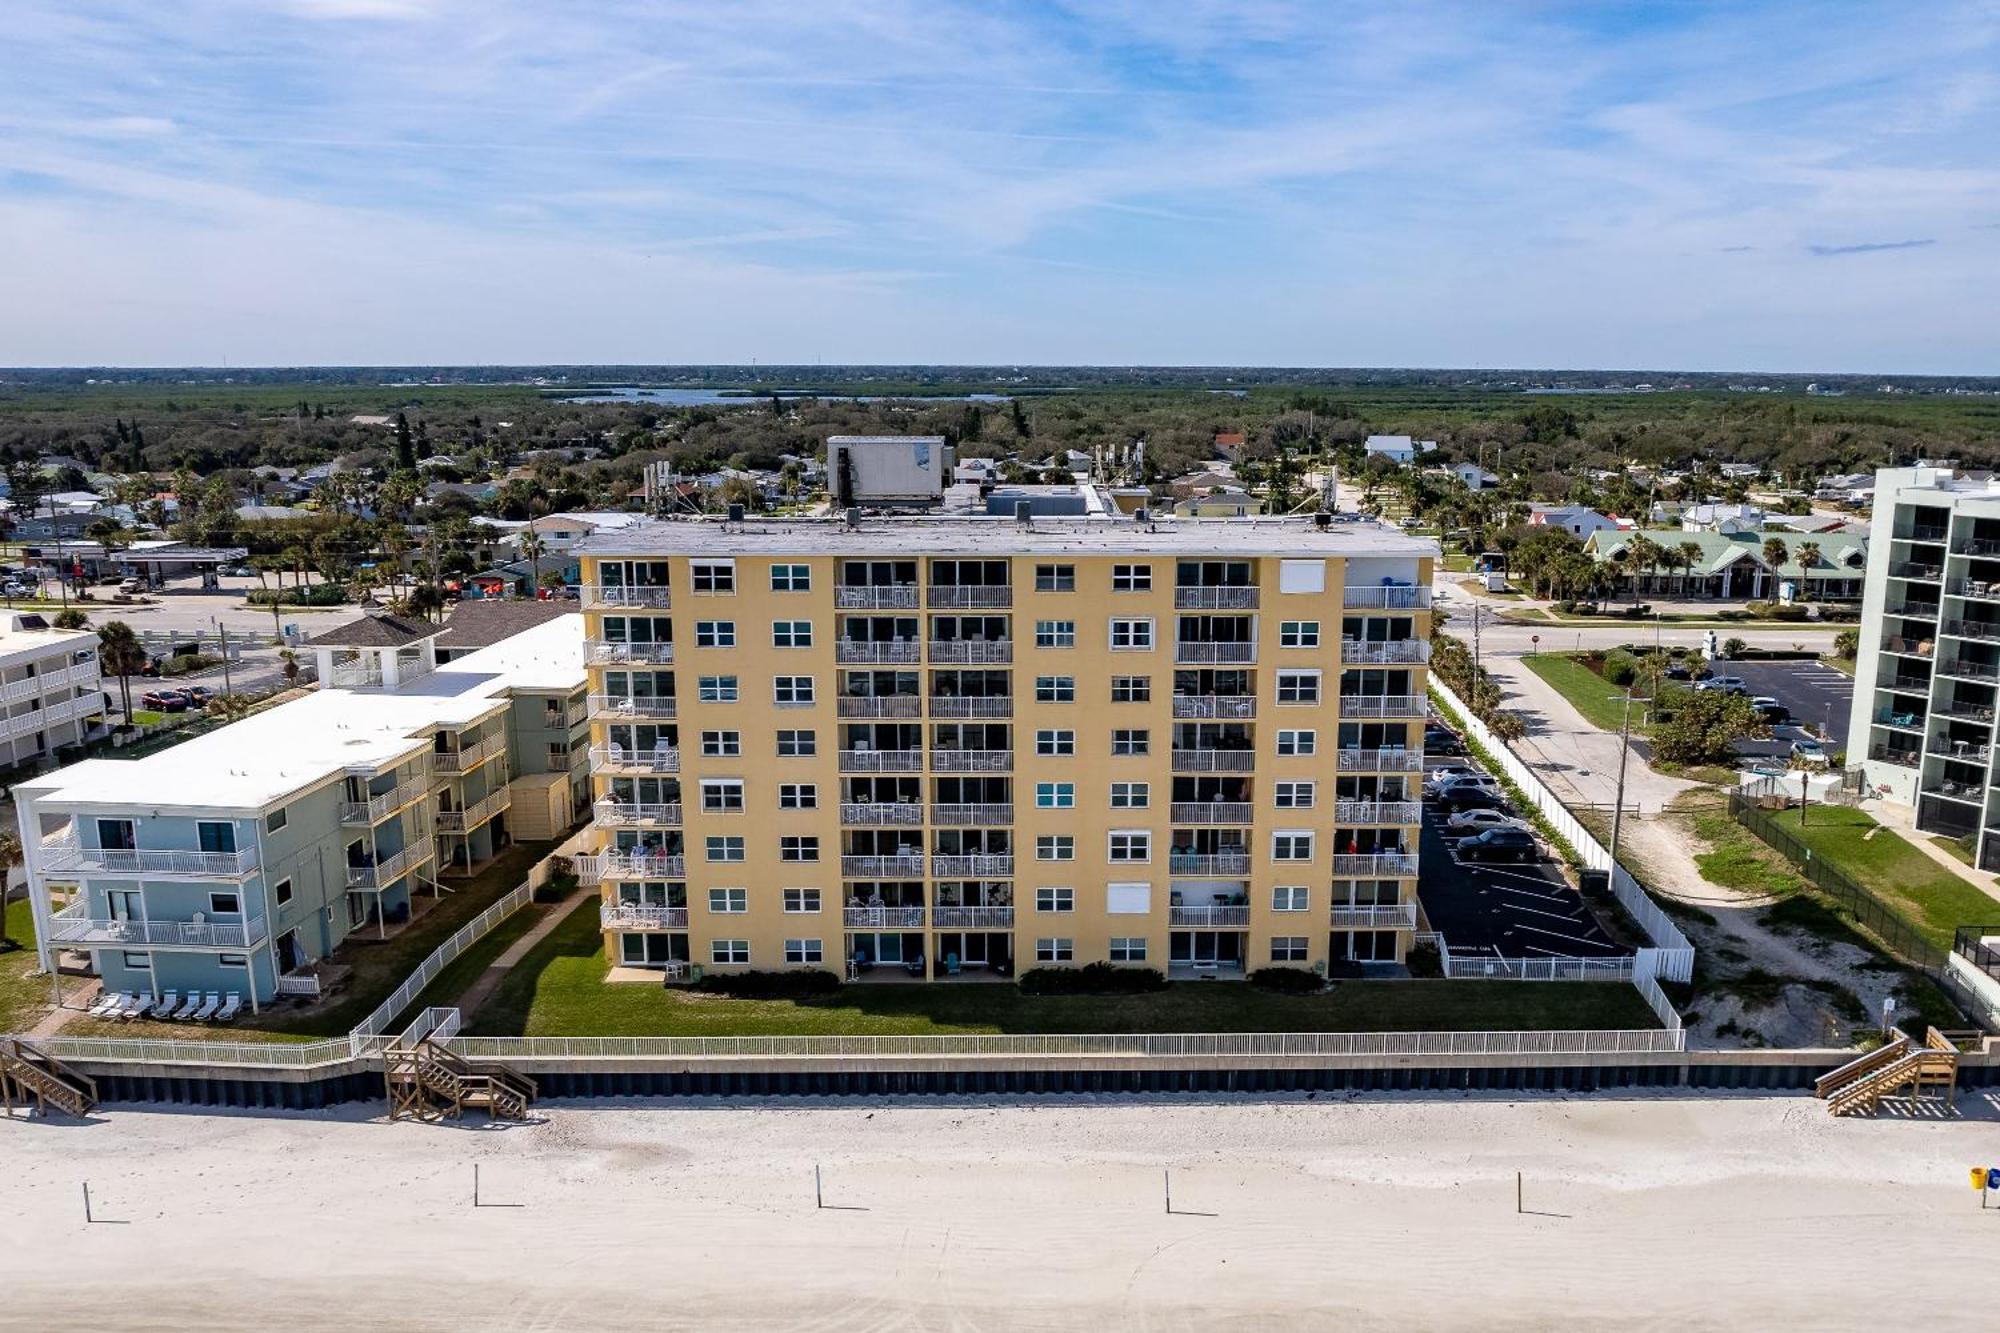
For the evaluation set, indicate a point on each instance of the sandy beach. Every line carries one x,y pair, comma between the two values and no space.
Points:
1643,1212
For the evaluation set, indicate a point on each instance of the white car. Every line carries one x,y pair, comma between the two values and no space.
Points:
1469,822
1438,774
1476,780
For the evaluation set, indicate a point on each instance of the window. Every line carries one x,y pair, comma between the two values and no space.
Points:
1055,689
1128,948
798,848
1298,687
798,744
1292,795
232,960
722,744
1060,950
1131,578
1302,576
725,849
1291,846
1055,847
224,904
801,902
791,578
276,820
1131,636
798,796
1055,795
722,795
715,634
729,902
1131,689
1128,899
792,691
139,962
1298,634
1297,742
283,892
791,634
215,835
1130,795
712,576
1131,846
1052,742
1129,741
1290,898
716,689
115,835
803,951
1055,578
1055,900
1055,634
1288,948
729,951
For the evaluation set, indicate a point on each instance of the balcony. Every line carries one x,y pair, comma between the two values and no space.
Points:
73,926
629,814
907,865
641,916
1905,721
472,816
36,687
1387,598
858,652
1208,863
603,596
1210,812
1236,918
616,706
464,758
1914,609
1384,705
972,652
604,651
881,761
1398,652
972,918
1908,684
1916,569
1901,756
1927,535
955,597
972,761
1213,761
1980,589
65,855
1374,864
890,597
890,814
1973,629
381,874
1219,706
1188,652
881,705
1970,793
378,808
1215,599
1977,546
963,813
1962,752
1967,669
1395,760
635,863
618,759
1401,916
1896,643
882,918
959,705
1964,711
984,866
1377,812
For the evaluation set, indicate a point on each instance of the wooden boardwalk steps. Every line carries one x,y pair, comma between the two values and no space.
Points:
427,1081
28,1074
1900,1068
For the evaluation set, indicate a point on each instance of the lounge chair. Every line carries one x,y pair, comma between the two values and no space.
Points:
108,1003
209,1004
140,1006
167,1004
187,1009
230,1006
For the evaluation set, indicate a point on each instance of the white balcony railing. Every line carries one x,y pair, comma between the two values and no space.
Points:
1381,761
959,705
633,814
1213,761
66,856
465,758
377,808
607,651
1208,863
603,595
1210,915
1215,599
619,759
879,705
1215,705
36,687
970,651
1384,705
1364,865
1359,652
858,652
909,865
882,918
886,597
1377,812
893,813
972,918
636,863
72,925
472,816
1210,812
381,874
972,761
881,761
1192,653
945,597
632,705
961,812
1401,916
983,866
641,916
1396,597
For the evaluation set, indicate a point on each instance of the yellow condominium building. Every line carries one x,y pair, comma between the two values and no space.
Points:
942,747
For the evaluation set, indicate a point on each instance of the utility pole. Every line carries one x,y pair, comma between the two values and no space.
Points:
223,631
1624,754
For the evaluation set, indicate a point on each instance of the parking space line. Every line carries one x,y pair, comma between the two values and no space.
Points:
1577,919
1530,893
1556,934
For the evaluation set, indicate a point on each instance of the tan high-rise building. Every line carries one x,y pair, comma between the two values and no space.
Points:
946,746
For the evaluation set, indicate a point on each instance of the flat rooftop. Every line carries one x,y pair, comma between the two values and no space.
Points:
28,634
270,756
960,534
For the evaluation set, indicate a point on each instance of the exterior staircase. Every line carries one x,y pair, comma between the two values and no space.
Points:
28,1074
425,1079
1902,1067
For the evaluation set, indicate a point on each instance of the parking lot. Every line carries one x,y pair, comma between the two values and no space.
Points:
1817,695
1506,911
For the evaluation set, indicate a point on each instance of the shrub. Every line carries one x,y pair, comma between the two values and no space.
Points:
1620,667
1778,610
1092,979
1287,980
318,594
771,985
1734,647
70,618
1423,961
182,664
1847,644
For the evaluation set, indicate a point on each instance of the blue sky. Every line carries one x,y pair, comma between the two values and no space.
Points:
1782,186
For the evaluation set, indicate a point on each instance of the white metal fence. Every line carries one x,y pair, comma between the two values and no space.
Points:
1489,967
461,939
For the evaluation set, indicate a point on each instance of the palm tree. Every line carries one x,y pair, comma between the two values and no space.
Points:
1776,553
1808,554
288,662
1688,555
533,547
1642,552
120,653
10,856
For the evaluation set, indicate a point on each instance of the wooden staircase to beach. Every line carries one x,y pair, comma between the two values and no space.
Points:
1902,1068
31,1075
426,1080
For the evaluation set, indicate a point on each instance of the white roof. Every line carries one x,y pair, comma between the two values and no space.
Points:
36,643
270,756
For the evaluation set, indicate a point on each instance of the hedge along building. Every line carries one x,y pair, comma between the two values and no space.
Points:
235,860
958,746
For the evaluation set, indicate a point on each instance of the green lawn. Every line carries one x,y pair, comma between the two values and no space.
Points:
559,990
23,996
1932,897
1738,859
1600,702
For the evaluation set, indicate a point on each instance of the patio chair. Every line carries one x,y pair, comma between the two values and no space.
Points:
210,1003
108,1003
169,1002
915,966
230,1007
187,1009
141,1005
951,964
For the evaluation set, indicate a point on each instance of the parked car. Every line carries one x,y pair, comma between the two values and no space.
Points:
1726,684
1478,818
198,695
1810,753
1483,781
1500,844
1450,768
1470,796
1771,710
1679,671
1442,740
163,701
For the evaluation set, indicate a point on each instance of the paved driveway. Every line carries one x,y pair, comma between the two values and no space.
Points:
1508,911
